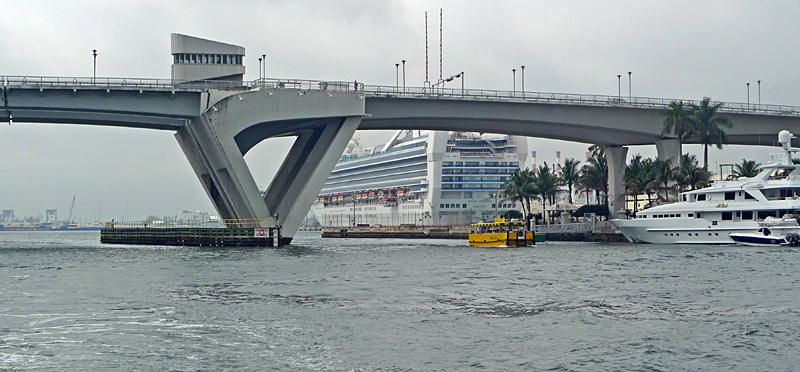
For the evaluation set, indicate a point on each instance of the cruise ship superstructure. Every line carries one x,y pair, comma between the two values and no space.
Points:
421,178
707,216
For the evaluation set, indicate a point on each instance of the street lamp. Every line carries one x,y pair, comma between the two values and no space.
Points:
264,75
759,94
619,87
523,81
396,77
404,75
94,68
461,75
630,96
259,69
748,96
514,74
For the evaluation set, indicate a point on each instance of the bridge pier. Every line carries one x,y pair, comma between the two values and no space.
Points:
669,149
304,171
221,169
615,158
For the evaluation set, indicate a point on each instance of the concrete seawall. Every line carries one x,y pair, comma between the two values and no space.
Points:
451,232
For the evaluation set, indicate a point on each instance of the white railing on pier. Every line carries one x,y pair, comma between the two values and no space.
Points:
42,82
564,228
189,224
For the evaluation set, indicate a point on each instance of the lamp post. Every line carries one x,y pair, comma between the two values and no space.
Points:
404,75
462,82
396,77
759,94
523,81
630,96
259,69
748,96
94,67
619,87
514,75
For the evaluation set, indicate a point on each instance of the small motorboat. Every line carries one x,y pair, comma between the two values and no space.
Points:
502,233
787,228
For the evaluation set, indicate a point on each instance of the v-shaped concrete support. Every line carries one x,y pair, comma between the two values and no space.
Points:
216,141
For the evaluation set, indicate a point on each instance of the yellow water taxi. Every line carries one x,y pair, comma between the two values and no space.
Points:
502,233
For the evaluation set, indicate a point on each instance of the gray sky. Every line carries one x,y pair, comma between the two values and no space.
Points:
675,49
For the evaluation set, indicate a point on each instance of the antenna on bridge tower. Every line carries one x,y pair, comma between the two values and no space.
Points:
440,43
426,49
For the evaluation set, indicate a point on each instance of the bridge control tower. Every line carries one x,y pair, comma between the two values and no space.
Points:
196,59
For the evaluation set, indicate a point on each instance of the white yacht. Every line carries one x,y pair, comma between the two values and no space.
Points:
709,215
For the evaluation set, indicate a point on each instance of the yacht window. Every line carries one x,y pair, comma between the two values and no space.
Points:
678,215
727,216
747,215
779,174
690,215
683,197
748,196
701,197
714,223
730,195
672,215
698,215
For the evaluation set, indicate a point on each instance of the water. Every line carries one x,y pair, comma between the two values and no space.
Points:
69,303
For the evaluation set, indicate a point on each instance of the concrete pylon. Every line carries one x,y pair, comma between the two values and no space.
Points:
221,169
669,149
304,171
615,158
216,141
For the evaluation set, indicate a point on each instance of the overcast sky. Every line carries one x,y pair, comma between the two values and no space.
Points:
675,49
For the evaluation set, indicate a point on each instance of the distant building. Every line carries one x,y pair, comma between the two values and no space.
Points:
8,215
195,59
51,216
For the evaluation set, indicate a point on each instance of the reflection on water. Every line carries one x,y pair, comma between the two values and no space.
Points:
70,303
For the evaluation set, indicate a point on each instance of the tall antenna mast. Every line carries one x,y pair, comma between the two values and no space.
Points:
440,43
426,47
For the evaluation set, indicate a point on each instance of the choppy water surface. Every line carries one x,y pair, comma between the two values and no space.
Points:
69,303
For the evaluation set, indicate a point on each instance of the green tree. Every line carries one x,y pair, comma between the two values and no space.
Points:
594,175
545,183
708,126
678,120
663,174
747,168
570,174
689,175
639,175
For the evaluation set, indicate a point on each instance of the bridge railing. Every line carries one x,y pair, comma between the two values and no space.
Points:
437,92
564,98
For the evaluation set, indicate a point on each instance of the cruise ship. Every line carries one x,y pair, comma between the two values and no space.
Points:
421,178
708,215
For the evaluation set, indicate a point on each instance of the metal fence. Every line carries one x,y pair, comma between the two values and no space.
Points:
222,223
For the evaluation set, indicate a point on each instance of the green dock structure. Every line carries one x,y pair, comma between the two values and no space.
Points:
216,233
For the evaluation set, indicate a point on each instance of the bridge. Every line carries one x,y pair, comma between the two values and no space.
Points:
217,122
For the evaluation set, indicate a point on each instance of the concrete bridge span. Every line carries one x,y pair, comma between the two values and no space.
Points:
217,123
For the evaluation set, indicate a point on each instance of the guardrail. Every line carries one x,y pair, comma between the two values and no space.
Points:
222,223
380,91
581,227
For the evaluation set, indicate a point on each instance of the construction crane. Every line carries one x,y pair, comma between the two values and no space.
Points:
71,207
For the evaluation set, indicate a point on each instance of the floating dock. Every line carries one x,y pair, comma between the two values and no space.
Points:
221,233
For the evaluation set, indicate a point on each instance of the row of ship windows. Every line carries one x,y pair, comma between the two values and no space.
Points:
473,179
690,234
477,186
503,205
770,194
478,164
478,171
726,216
209,59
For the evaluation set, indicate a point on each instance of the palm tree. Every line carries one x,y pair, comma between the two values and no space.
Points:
546,183
747,168
707,126
688,174
638,177
569,175
662,176
679,120
594,175
513,188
